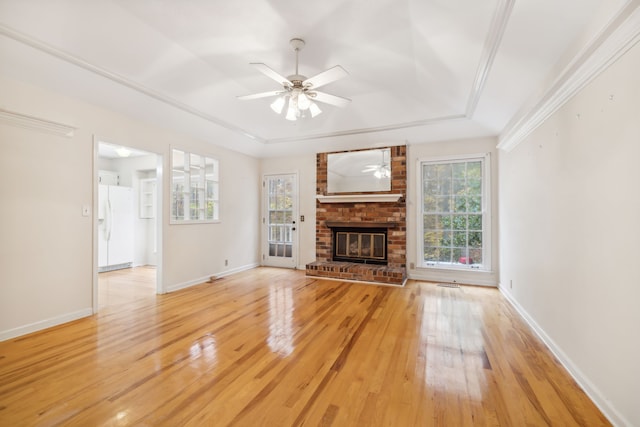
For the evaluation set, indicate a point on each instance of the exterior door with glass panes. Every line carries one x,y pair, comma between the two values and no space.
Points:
279,221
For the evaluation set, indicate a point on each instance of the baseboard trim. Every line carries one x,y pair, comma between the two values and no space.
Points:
463,277
44,324
207,278
583,381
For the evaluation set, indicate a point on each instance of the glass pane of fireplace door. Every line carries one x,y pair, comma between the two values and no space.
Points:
359,245
280,220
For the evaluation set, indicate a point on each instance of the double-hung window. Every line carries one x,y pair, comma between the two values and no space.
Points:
455,219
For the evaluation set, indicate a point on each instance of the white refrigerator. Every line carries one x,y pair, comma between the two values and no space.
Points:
115,227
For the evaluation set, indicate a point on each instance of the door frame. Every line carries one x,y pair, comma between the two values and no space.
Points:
160,186
295,241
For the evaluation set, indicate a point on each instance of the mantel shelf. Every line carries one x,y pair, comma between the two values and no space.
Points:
359,198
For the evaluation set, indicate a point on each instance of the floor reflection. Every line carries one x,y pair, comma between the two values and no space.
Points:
204,351
455,361
281,321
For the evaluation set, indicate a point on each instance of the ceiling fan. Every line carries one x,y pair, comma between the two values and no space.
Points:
380,170
298,92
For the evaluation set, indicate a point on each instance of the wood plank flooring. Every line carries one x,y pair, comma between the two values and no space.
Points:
271,347
126,286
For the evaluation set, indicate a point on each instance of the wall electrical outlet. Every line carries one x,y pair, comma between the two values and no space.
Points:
226,262
86,210
511,284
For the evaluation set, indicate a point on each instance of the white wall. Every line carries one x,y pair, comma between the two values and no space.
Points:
439,149
570,235
45,242
305,167
200,250
46,248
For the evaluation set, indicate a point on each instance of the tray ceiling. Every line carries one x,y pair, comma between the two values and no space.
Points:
419,71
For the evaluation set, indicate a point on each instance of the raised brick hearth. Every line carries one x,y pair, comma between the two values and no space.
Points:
391,213
355,271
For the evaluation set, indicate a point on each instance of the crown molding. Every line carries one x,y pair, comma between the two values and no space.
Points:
620,35
497,28
496,31
117,78
361,131
492,43
30,122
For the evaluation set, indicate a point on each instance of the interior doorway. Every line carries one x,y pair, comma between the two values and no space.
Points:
127,218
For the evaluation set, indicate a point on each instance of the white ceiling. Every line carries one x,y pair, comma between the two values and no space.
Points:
419,70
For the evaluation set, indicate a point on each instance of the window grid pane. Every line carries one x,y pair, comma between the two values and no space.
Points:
194,188
452,213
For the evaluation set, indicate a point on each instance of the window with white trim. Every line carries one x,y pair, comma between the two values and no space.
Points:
194,188
455,218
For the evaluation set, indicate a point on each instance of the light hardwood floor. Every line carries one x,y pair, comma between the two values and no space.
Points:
275,348
126,286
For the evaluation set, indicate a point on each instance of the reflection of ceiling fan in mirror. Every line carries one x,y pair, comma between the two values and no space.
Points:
380,170
298,92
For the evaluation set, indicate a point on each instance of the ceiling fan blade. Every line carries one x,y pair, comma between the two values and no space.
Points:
338,101
269,72
261,95
325,77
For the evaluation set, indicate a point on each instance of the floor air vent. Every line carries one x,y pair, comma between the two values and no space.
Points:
448,285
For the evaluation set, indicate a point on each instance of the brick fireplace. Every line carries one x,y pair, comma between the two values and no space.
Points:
359,226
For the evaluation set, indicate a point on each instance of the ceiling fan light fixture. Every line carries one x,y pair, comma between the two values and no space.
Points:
303,101
292,111
298,92
314,109
382,172
278,104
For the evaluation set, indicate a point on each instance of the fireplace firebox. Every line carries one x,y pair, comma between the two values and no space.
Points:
365,245
360,242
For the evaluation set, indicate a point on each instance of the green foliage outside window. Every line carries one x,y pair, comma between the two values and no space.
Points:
452,212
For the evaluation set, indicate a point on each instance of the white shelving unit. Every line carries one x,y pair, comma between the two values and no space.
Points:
147,197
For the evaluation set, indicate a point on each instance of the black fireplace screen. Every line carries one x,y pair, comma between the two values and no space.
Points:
367,246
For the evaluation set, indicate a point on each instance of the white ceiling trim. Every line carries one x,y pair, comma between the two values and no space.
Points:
492,42
494,37
72,59
361,131
622,33
35,123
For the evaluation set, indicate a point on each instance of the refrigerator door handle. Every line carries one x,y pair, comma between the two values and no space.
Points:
108,218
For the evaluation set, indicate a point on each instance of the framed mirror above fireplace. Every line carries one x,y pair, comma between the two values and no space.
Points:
360,171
